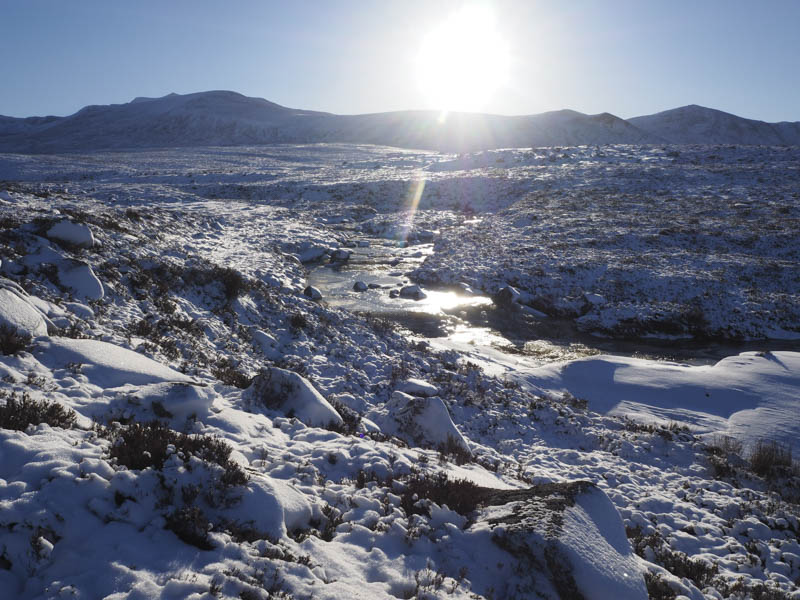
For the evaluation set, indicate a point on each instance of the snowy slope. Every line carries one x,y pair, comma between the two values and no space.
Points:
227,118
699,125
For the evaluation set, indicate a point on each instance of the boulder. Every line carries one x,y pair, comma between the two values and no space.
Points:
567,538
394,293
359,286
79,277
424,422
292,394
417,387
17,313
414,292
340,255
507,296
312,292
74,234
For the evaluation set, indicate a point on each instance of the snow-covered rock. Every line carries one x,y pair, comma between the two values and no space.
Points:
414,292
422,421
104,364
79,277
310,252
181,400
507,296
568,536
75,234
418,387
18,313
340,255
279,389
312,292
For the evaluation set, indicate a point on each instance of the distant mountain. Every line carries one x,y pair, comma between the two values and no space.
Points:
228,118
699,125
221,118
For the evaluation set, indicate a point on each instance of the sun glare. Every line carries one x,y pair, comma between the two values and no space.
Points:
463,62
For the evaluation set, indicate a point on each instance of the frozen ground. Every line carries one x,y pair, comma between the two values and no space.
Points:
231,437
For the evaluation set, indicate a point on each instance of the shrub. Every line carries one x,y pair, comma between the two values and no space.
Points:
191,526
459,495
227,373
298,321
20,412
767,456
12,341
143,445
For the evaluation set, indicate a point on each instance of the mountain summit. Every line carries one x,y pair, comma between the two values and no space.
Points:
223,118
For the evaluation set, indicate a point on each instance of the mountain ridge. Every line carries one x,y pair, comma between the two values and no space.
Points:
225,118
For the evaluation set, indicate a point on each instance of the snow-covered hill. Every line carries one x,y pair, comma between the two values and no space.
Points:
221,118
699,125
227,118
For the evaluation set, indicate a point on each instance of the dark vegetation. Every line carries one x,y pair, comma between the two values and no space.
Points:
142,445
20,411
12,341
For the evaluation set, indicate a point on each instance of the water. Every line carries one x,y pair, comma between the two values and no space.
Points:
472,321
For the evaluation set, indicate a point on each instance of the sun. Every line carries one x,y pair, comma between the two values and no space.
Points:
463,62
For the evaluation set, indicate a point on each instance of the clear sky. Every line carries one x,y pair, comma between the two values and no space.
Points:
627,57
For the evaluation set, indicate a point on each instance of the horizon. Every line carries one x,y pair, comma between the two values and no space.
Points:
503,57
147,98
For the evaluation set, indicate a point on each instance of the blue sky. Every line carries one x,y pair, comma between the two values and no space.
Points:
625,57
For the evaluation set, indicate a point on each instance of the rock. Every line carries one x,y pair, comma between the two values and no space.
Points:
310,253
312,292
288,392
359,286
413,292
363,243
79,277
566,537
74,234
595,299
105,365
507,296
340,255
374,286
19,314
394,293
267,343
417,387
423,421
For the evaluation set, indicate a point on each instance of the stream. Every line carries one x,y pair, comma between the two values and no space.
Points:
471,323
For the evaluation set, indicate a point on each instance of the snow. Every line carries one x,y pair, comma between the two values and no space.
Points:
81,280
751,396
105,365
329,454
76,234
16,312
594,540
418,387
294,395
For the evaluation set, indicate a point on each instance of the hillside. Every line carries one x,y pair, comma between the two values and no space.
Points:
228,119
699,125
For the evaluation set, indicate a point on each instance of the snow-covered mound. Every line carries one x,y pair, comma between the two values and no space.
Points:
104,364
699,125
753,396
